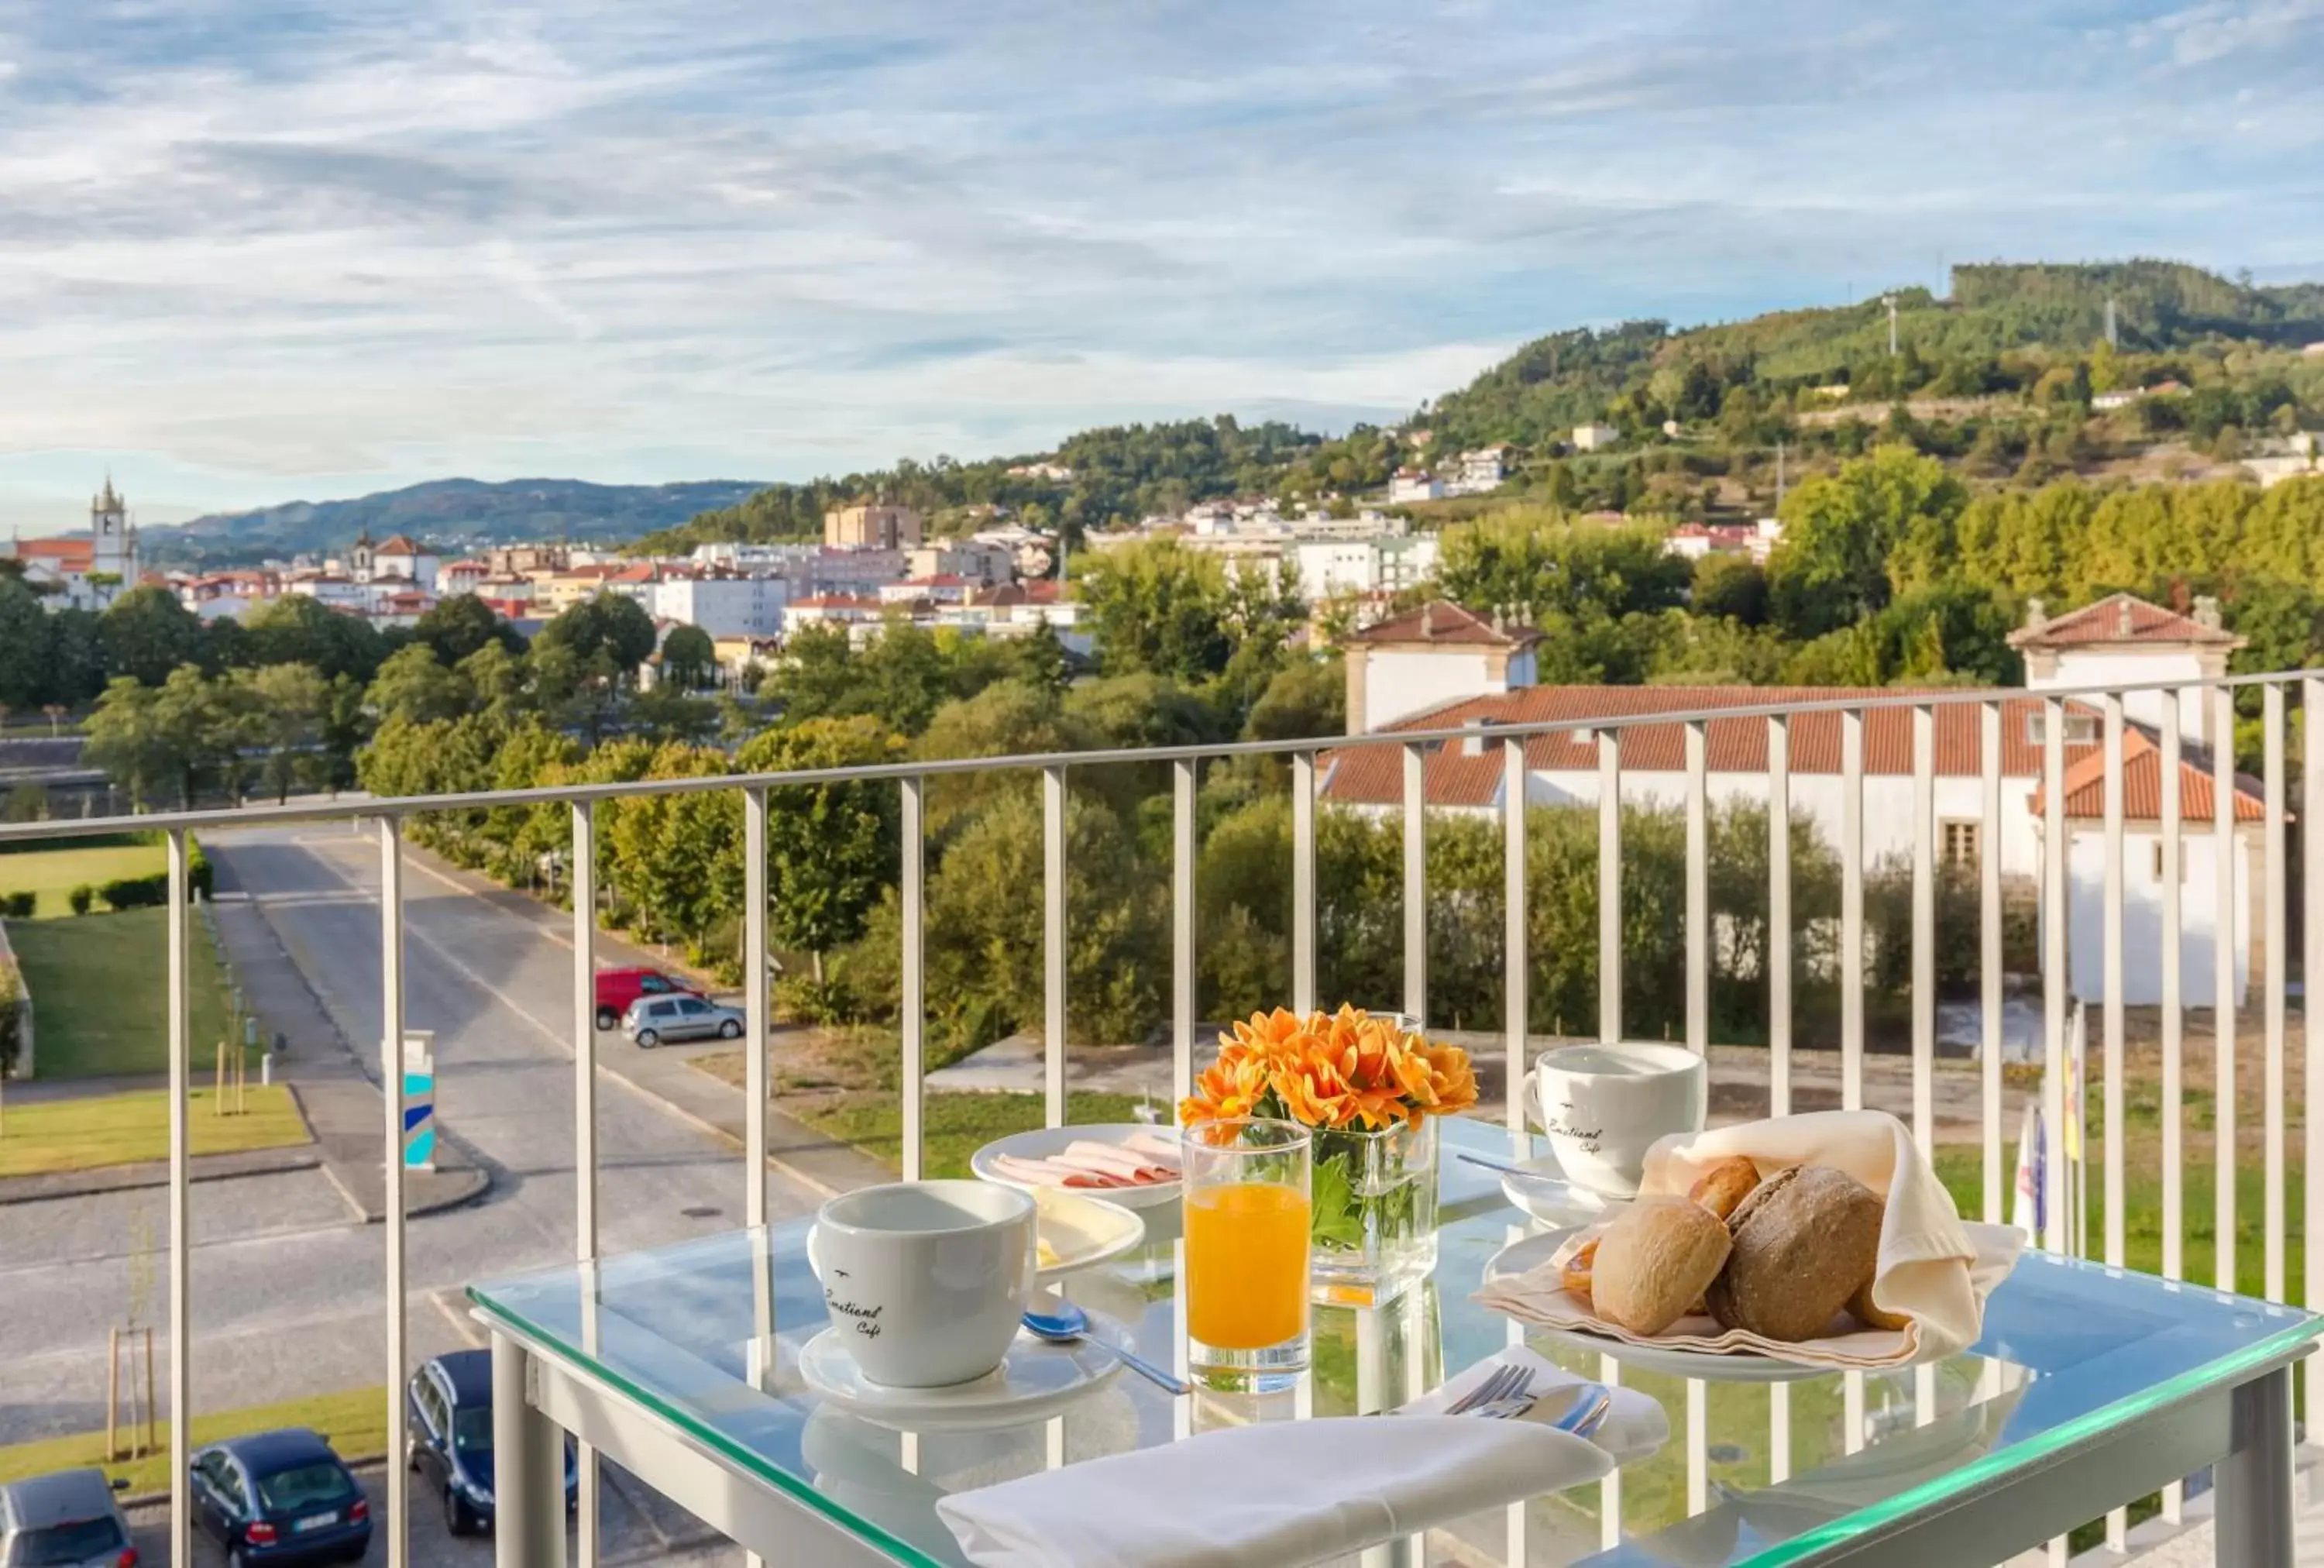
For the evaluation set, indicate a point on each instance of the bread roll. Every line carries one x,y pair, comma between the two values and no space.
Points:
1724,1185
1861,1307
1804,1242
1655,1261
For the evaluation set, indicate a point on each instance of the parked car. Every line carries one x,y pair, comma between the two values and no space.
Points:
618,988
447,1416
64,1520
650,1020
279,1497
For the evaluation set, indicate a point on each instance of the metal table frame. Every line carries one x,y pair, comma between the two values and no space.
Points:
2243,1428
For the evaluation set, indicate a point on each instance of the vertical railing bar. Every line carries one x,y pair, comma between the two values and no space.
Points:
2224,923
1698,888
1053,944
1779,1016
1609,886
397,1478
756,1014
2054,1229
1303,881
2173,1023
1851,911
1517,998
912,908
2117,1520
2272,999
2111,1004
583,885
1415,883
1989,959
181,1325
2311,926
1924,927
1182,928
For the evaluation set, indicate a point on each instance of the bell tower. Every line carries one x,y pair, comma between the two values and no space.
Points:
113,539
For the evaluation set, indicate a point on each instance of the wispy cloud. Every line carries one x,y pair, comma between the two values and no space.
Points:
252,248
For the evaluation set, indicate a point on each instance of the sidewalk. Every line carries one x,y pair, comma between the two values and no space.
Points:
334,1082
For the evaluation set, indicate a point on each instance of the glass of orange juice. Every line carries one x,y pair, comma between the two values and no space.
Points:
1247,1224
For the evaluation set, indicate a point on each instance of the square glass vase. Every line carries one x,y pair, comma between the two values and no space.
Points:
1374,1216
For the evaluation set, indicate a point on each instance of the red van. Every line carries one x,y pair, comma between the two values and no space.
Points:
617,988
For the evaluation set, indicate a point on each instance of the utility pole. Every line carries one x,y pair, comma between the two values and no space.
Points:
2114,339
1779,476
1890,300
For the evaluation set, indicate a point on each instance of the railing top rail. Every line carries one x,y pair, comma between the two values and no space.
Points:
363,808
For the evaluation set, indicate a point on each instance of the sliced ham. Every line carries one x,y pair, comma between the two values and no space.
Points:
1158,1148
1049,1173
1116,1159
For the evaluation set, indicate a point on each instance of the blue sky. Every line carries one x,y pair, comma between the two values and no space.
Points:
253,249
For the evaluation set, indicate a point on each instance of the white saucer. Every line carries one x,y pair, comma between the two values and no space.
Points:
1082,1231
1036,1380
1044,1141
1544,1194
1730,1367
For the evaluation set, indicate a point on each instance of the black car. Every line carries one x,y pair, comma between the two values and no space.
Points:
447,1415
279,1497
65,1520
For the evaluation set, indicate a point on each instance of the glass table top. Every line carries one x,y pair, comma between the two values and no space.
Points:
707,1334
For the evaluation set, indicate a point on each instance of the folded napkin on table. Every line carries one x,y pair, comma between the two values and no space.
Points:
1279,1493
1934,1270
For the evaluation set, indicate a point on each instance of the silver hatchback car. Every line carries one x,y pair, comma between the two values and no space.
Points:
651,1020
67,1519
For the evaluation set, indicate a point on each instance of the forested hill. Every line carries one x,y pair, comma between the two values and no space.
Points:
442,509
2022,333
2001,320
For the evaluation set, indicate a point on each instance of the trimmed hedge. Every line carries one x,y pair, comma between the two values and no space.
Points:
81,897
19,905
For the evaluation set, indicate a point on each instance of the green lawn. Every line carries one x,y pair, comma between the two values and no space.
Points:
354,1422
54,874
100,992
105,1129
956,1126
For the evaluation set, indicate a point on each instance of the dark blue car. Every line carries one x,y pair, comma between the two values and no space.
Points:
279,1497
448,1412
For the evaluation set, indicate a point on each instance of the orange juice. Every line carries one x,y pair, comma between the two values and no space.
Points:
1246,1265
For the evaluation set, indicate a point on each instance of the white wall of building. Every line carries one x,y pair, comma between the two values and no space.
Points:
1399,685
2131,667
723,607
2141,917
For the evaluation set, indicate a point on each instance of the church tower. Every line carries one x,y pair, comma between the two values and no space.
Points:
113,540
364,558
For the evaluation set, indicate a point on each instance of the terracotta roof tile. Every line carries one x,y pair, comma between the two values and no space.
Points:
1442,622
2104,622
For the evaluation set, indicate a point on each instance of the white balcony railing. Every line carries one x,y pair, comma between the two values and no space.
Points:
1784,726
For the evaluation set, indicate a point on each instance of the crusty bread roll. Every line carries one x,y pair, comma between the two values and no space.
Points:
1804,1242
1655,1261
1861,1307
1724,1185
1575,1273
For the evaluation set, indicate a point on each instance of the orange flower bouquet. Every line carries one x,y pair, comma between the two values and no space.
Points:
1371,1087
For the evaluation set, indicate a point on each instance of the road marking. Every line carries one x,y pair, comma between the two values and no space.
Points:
462,1324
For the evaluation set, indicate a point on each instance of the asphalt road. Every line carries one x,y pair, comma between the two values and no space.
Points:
288,1284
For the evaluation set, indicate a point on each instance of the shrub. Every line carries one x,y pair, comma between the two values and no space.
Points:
81,897
200,875
136,893
12,1017
18,906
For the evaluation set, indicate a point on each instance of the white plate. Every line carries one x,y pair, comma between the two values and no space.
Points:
1036,1380
1714,1367
1082,1231
1044,1141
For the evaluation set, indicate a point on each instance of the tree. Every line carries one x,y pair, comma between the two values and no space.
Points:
126,740
688,658
1307,700
1854,537
289,700
606,624
1730,586
1158,608
342,728
23,645
831,848
1530,555
458,626
301,628
411,685
146,633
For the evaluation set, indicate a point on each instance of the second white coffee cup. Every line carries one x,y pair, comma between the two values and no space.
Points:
926,1279
1602,1107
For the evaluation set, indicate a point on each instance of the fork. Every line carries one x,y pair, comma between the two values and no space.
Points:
1504,1384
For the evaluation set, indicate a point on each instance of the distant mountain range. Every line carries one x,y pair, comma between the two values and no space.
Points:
461,512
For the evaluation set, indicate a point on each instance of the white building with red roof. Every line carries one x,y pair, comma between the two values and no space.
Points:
2124,641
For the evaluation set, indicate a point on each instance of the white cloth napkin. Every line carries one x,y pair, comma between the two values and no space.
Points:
1933,1268
1285,1492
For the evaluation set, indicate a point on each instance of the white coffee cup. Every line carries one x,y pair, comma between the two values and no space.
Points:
1602,1107
926,1279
